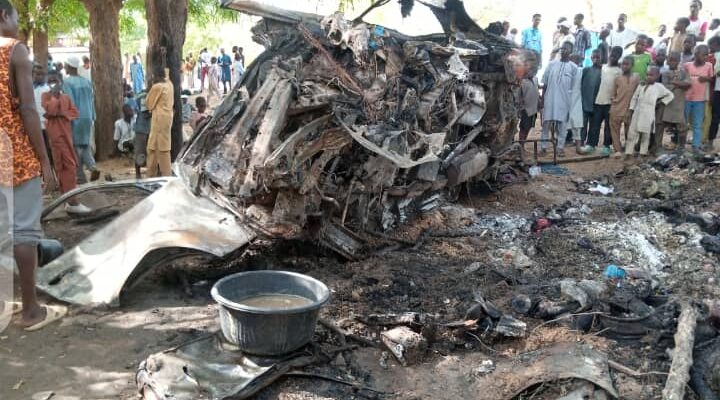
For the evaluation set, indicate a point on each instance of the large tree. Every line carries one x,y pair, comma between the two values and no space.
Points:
41,24
167,21
106,70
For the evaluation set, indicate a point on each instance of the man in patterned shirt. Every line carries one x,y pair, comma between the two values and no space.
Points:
24,167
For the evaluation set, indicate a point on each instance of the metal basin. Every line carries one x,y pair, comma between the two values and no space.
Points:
268,331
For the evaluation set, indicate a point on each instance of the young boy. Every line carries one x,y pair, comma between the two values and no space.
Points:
124,135
199,116
701,74
142,131
601,108
590,86
641,59
675,79
59,114
24,169
660,60
678,40
213,77
687,51
643,105
623,91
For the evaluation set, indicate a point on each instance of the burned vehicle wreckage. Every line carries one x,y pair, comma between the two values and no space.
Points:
338,130
342,127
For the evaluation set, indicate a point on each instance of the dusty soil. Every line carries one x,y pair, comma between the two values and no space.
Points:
93,354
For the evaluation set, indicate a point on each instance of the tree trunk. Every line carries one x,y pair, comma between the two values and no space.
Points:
106,70
40,33
166,38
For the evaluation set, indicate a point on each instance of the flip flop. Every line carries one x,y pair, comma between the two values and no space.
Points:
52,314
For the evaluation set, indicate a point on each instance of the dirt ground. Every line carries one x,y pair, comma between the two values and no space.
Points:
93,354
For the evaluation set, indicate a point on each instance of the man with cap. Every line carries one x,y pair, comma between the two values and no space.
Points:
81,93
564,36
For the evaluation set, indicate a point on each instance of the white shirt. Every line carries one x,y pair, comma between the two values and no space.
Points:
607,84
622,39
124,132
39,90
696,26
85,73
205,58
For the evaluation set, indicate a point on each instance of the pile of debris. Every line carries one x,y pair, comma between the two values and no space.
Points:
342,127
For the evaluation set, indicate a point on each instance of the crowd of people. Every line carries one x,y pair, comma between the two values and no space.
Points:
214,71
634,88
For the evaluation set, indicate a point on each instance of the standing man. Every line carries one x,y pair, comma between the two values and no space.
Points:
204,66
698,26
160,101
583,40
81,93
24,168
558,81
604,47
622,36
86,69
532,38
137,75
226,76
563,36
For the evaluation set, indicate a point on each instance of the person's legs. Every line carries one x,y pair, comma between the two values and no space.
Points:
615,124
656,146
27,232
696,113
644,143
562,139
560,134
545,135
80,170
66,168
152,164
633,136
715,119
607,134
87,158
593,136
587,117
164,163
707,116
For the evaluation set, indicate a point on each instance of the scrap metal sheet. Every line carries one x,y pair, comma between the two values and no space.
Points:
171,219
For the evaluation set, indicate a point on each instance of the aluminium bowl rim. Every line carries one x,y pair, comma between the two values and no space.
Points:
227,303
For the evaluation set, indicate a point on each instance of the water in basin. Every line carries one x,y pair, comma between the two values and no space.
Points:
275,301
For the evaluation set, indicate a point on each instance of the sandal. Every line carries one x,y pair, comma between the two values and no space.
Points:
52,314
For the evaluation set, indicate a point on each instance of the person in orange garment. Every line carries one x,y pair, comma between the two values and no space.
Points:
59,114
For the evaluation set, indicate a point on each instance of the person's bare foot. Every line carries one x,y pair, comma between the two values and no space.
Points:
32,316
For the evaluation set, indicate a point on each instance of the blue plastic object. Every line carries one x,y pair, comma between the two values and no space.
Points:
614,272
379,30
